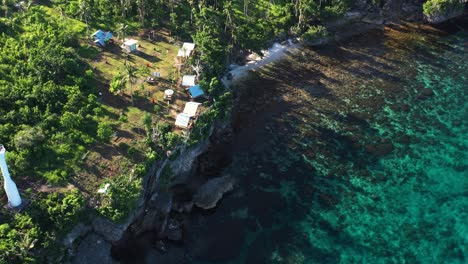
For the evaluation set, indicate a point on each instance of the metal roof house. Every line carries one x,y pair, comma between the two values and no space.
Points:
182,120
195,91
130,45
191,108
101,37
186,50
188,80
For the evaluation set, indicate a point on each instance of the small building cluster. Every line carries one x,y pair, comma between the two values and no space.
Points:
190,111
195,91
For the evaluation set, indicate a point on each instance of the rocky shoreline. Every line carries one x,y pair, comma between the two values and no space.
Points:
197,180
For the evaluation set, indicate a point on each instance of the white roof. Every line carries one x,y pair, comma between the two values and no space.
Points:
130,42
191,108
186,49
182,120
188,80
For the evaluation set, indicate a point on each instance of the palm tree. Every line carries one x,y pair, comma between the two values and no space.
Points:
84,10
122,31
117,84
131,76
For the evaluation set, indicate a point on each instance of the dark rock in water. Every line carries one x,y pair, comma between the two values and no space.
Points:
219,241
405,108
182,198
317,89
264,204
173,230
461,167
457,123
380,149
327,200
259,251
208,195
425,93
405,139
160,246
183,207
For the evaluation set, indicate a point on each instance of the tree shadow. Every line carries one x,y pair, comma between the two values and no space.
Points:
146,56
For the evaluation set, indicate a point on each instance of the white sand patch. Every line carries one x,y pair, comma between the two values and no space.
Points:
275,53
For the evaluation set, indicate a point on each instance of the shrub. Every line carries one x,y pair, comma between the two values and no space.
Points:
123,146
17,239
441,7
64,210
156,109
163,128
147,120
170,140
314,33
132,151
123,118
335,10
202,127
104,131
121,198
56,177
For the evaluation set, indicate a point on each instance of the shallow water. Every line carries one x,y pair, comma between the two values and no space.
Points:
340,158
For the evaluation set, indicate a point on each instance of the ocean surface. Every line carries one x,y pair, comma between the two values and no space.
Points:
352,153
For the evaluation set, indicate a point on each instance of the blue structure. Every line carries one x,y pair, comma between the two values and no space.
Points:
196,91
101,37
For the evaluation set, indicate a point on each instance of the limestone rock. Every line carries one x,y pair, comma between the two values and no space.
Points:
208,195
78,230
373,19
93,249
108,230
162,202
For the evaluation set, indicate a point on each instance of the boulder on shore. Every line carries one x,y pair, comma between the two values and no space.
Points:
208,195
108,230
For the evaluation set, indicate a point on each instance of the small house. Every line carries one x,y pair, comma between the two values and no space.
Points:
130,45
101,37
186,50
182,120
191,108
188,80
195,91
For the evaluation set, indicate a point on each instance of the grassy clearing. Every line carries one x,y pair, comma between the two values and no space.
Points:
128,146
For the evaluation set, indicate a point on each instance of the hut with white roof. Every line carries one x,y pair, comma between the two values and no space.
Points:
188,80
182,120
186,50
130,45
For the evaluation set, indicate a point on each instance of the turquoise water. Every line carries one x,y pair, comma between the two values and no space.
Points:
341,158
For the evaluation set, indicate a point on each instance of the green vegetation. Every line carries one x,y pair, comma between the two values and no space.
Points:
315,33
32,236
121,197
441,7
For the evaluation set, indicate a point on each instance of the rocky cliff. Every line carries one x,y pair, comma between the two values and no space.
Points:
195,176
